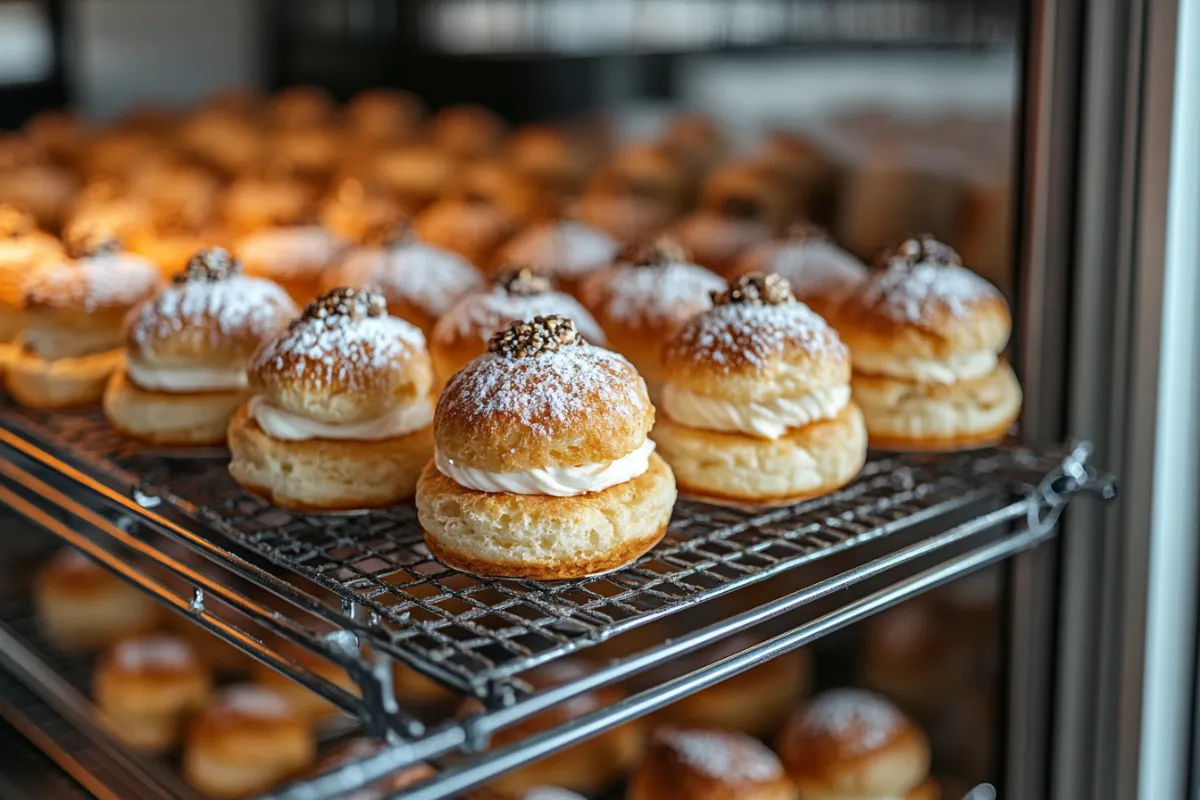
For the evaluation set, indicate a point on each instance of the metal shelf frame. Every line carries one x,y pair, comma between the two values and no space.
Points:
362,591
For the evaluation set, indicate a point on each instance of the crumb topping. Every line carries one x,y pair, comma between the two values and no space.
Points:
85,240
755,289
923,248
542,335
659,252
349,304
210,266
521,281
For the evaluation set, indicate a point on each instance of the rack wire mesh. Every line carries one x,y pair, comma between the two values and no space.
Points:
478,636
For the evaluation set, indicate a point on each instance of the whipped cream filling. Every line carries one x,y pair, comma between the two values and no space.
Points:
923,370
53,343
290,427
185,379
767,420
551,481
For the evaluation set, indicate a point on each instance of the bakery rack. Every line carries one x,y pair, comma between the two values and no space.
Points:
362,592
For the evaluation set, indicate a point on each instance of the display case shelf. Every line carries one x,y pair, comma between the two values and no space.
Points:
368,590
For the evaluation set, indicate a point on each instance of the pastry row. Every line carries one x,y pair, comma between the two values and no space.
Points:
161,688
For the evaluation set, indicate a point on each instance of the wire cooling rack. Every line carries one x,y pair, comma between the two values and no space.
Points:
478,636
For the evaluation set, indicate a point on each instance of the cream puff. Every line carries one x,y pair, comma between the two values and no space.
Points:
257,202
340,413
247,740
550,155
741,205
224,138
23,249
414,175
565,250
75,311
517,294
637,194
312,152
299,107
820,273
807,170
79,605
355,210
186,353
419,281
708,764
473,230
147,686
294,256
926,337
697,138
468,132
853,744
643,299
543,468
356,750
588,767
382,115
496,184
59,133
41,188
756,400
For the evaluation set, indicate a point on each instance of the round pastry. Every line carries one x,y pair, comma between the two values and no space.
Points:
468,132
59,133
498,185
116,152
851,744
474,230
925,336
382,115
147,686
806,170
224,138
41,188
354,210
305,702
340,416
80,605
356,750
186,353
300,107
643,300
698,139
637,194
105,205
462,334
756,399
708,764
178,195
296,257
312,152
551,156
658,170
755,702
221,657
419,281
414,175
247,740
543,468
820,273
741,205
588,767
254,202
171,247
75,311
564,250
23,249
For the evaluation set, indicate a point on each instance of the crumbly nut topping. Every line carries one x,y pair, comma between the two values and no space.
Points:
209,266
347,303
521,281
15,222
804,231
924,248
542,335
756,289
87,240
655,253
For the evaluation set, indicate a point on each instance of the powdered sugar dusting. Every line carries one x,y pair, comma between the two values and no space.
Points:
722,755
563,249
913,293
861,720
568,382
757,334
550,793
486,313
655,295
231,307
289,251
93,284
812,266
335,350
427,276
151,652
252,701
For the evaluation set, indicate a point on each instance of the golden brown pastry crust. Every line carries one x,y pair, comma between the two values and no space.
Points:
170,418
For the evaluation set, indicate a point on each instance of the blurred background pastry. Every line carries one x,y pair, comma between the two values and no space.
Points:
81,606
378,116
638,193
354,209
643,299
563,249
414,175
186,352
708,764
256,202
299,107
304,701
820,273
294,256
23,249
147,687
698,139
468,132
340,414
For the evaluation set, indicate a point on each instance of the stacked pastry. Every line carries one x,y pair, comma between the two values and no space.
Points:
820,273
756,399
340,412
23,249
186,352
926,337
709,764
543,468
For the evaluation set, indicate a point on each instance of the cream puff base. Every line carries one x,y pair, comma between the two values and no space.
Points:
168,418
35,382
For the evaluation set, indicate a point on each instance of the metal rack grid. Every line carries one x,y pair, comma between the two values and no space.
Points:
478,636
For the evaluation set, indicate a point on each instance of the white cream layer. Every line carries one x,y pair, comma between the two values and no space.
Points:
923,370
289,427
767,420
185,379
551,481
